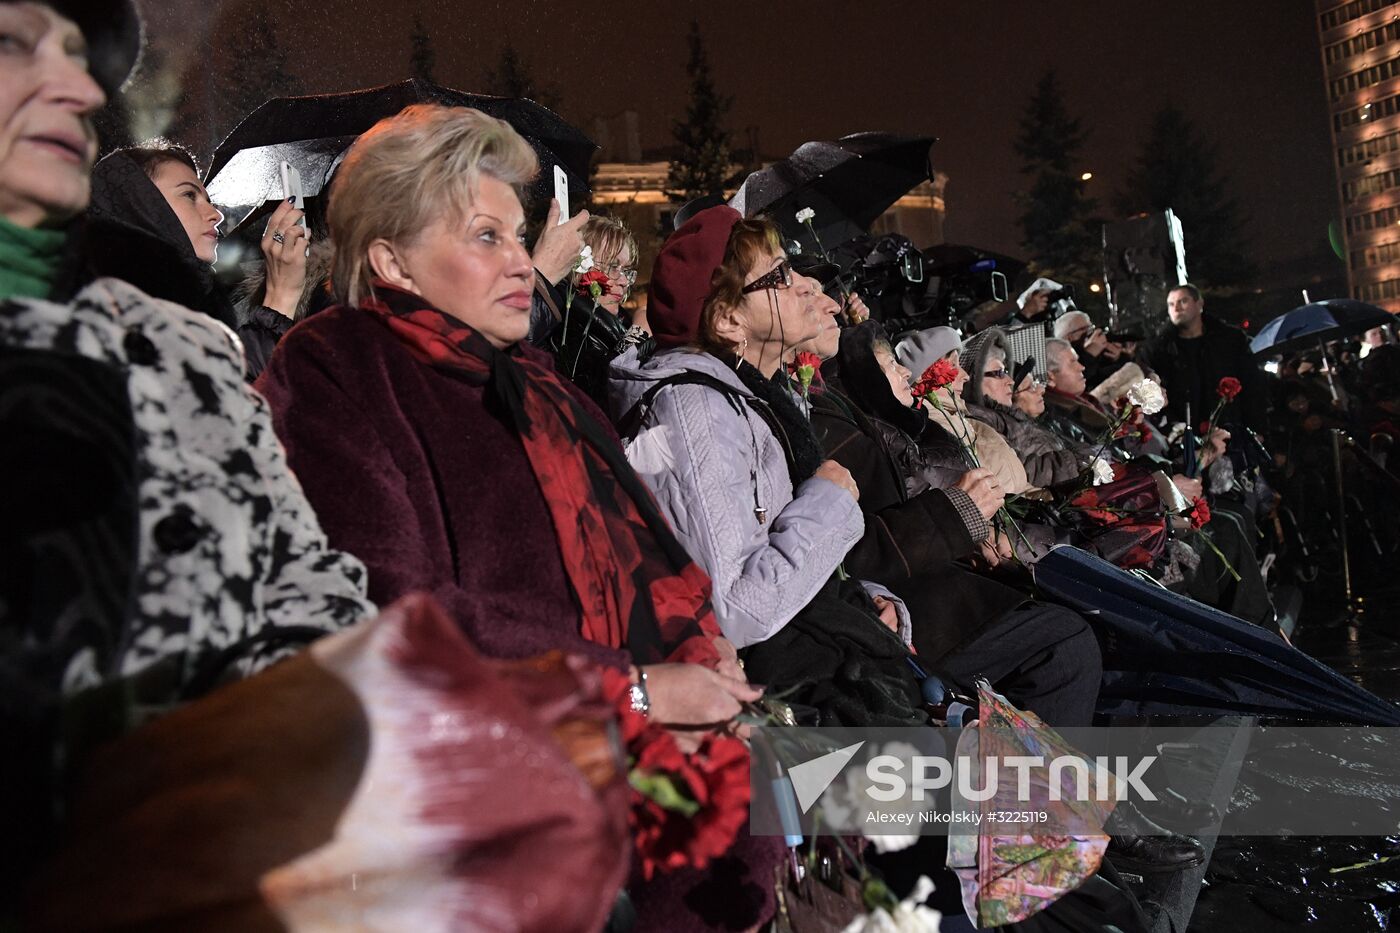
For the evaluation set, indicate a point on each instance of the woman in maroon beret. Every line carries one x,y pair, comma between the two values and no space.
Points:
726,447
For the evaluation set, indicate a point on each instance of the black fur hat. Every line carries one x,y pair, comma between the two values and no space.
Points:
113,32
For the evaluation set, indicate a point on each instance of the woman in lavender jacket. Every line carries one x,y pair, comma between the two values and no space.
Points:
733,462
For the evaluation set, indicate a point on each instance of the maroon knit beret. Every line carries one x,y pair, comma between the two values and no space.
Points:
680,279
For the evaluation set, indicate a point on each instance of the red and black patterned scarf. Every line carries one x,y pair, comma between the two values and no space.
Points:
636,586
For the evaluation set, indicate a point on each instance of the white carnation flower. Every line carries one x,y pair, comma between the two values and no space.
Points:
910,916
1103,471
890,842
1147,395
805,215
585,260
849,803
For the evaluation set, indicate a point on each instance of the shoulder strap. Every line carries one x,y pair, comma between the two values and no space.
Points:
546,293
631,422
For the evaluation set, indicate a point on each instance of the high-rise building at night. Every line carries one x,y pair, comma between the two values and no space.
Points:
1361,62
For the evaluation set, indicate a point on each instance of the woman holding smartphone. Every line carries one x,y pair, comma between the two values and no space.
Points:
151,223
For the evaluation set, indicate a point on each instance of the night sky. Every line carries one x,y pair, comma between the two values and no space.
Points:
1248,72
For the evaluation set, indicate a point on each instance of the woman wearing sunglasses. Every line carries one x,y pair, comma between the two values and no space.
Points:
733,462
991,399
920,351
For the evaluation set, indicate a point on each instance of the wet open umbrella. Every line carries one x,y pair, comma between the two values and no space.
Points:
847,182
1318,322
1164,654
1313,325
313,132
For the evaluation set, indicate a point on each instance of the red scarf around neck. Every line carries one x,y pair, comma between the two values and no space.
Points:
636,586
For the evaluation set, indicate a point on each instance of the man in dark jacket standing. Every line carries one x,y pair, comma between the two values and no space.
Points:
1194,354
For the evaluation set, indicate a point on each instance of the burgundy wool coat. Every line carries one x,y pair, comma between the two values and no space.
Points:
409,468
412,469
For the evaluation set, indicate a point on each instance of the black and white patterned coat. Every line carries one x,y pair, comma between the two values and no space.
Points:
229,549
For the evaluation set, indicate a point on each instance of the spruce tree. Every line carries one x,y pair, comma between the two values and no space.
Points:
703,165
256,66
512,77
422,59
1178,170
1059,231
251,70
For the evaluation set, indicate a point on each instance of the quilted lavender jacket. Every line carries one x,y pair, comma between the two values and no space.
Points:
712,465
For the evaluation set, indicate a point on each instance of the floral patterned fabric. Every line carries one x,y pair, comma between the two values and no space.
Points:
229,551
1006,879
1122,520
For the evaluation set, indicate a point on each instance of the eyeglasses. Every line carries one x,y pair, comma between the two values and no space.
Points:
616,270
997,374
779,278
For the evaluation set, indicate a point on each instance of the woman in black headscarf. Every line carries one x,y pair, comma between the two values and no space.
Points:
151,223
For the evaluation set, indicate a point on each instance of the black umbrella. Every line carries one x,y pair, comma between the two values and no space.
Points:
953,254
313,132
1164,654
847,183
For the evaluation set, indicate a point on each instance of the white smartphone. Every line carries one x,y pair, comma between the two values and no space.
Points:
561,192
291,187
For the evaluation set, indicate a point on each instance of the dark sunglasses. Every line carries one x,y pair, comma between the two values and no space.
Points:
996,374
780,277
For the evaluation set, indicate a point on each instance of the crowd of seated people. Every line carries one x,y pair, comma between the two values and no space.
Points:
407,414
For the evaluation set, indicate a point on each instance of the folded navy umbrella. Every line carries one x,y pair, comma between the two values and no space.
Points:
1165,654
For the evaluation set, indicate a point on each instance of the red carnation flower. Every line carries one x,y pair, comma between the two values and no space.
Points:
1200,512
1229,388
714,785
940,375
686,809
806,368
593,282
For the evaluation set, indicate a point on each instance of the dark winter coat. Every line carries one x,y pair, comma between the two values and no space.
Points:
1191,371
260,327
928,455
586,342
1079,419
911,541
546,311
1048,458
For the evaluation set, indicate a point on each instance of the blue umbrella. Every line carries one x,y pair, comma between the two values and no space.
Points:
1317,323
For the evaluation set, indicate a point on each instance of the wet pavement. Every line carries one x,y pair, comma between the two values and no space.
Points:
1321,885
